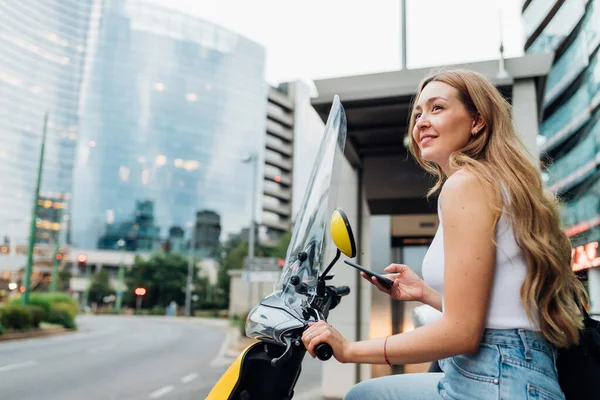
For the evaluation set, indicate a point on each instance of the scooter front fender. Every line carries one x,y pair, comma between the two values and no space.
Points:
225,387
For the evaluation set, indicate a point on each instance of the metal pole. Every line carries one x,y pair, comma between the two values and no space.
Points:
403,29
120,277
188,285
138,303
251,235
88,278
33,228
56,261
251,238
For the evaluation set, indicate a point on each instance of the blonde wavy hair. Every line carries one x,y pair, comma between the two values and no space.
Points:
497,156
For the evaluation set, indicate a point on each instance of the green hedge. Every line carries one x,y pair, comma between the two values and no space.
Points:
48,300
38,314
61,314
15,316
57,308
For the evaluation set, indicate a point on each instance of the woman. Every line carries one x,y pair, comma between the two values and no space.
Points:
498,266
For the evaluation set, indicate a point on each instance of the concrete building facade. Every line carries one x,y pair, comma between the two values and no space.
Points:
293,135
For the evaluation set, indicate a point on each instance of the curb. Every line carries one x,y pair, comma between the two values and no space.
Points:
35,334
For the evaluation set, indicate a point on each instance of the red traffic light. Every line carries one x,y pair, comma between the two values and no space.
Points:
82,258
59,256
139,291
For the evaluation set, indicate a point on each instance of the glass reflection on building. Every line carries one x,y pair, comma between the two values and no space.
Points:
571,111
171,105
42,52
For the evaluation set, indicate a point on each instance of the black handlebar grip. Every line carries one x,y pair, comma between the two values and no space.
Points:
342,290
324,351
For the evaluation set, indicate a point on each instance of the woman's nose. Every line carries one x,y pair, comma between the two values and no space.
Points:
423,122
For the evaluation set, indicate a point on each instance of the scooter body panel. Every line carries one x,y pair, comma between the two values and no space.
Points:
226,385
252,377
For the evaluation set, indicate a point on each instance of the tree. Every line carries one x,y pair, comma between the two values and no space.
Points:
100,286
164,276
64,279
234,254
280,248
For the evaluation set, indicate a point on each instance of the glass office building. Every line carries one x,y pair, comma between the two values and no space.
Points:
42,52
570,128
170,107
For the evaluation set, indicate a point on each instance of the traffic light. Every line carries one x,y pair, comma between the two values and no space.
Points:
59,256
139,292
81,262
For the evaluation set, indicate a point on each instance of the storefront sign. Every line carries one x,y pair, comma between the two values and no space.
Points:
586,256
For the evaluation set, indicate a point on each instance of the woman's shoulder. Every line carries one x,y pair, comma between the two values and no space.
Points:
460,181
461,189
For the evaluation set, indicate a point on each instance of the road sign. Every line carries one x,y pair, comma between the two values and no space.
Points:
260,276
261,269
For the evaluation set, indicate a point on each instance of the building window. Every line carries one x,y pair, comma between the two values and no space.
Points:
561,25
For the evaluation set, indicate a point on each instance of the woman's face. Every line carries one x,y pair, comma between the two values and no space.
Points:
443,124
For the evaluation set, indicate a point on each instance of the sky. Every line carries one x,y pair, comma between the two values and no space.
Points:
314,39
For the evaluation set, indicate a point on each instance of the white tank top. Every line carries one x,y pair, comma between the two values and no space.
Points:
506,309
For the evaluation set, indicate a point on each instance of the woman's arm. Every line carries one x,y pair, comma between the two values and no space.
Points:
432,298
469,263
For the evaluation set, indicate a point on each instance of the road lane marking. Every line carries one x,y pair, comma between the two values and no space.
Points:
220,358
161,392
18,366
189,378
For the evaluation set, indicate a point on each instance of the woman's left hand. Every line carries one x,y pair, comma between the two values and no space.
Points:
322,332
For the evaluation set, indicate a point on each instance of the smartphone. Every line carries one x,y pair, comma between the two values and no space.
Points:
382,279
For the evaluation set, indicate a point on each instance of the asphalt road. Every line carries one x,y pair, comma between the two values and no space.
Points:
113,358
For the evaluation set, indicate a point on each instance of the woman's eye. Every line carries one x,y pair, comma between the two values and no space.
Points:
418,115
436,107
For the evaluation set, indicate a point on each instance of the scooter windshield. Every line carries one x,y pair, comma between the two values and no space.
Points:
306,250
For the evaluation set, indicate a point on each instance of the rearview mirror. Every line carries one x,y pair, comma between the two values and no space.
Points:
342,236
341,233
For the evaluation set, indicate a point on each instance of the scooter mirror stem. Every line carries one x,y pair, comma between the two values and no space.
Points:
331,264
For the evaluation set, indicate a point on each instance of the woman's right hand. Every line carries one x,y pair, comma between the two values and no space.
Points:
408,286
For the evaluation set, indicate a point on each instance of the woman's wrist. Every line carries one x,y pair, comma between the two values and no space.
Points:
426,296
349,353
431,297
365,351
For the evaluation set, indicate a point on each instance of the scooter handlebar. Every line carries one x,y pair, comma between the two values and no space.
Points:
324,351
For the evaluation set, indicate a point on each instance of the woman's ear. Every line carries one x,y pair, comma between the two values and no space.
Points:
478,125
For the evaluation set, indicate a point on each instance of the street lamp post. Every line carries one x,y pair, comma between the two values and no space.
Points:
120,277
251,235
57,256
252,158
190,272
33,227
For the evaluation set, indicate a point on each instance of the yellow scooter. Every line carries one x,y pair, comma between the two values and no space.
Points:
270,368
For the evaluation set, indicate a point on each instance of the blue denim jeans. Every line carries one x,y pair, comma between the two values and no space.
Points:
510,365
